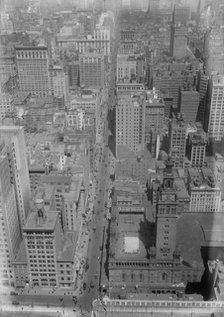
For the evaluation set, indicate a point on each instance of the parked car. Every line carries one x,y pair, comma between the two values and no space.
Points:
15,302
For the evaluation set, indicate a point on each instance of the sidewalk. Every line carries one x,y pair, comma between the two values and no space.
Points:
53,311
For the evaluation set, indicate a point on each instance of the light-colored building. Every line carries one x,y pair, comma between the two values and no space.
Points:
130,114
50,252
79,119
42,234
99,41
68,199
14,138
33,70
196,148
216,123
129,88
126,68
205,195
10,233
59,83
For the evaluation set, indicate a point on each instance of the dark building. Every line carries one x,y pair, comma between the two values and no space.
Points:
189,102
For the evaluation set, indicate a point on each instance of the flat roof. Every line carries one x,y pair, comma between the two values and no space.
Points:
68,247
48,225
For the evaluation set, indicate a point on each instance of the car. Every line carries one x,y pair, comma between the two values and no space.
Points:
84,286
15,302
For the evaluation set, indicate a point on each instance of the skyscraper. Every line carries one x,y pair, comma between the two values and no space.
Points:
196,148
177,135
154,113
14,138
33,70
59,83
178,41
42,232
216,122
10,234
130,128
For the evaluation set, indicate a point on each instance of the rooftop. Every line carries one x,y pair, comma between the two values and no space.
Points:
68,247
47,225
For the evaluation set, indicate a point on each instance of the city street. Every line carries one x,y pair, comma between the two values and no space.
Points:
92,279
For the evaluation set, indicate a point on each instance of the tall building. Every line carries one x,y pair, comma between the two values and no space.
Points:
33,70
203,97
10,233
189,102
8,70
166,217
92,70
216,122
196,147
42,232
130,130
205,195
178,41
126,68
50,254
14,138
177,135
73,74
181,14
154,114
59,83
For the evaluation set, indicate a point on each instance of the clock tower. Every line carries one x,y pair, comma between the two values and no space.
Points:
166,216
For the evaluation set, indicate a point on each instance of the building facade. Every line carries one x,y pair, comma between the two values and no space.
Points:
14,138
177,135
216,123
10,231
33,70
130,122
6,105
92,70
189,102
42,240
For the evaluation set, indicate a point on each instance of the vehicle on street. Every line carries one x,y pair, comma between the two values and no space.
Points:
15,302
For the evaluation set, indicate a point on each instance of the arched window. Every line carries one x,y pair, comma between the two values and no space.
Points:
164,276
